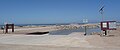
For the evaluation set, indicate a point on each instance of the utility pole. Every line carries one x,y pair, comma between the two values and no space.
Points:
102,13
102,9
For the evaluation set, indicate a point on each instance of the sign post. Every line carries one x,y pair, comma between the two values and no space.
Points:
108,25
9,26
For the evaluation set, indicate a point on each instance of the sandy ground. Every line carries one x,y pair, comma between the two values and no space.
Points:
24,30
73,41
112,40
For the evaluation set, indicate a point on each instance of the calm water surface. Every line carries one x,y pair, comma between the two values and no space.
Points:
66,32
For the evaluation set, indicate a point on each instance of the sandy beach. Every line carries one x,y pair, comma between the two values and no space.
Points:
74,41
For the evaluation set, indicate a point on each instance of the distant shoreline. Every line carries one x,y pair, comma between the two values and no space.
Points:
118,23
49,24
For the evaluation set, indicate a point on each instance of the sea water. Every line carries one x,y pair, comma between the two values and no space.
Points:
69,31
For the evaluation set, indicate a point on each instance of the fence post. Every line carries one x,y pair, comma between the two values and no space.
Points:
85,30
6,28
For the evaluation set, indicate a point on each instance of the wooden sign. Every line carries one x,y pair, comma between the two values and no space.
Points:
9,26
108,25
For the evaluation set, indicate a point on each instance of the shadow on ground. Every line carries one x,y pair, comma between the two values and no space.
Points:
37,33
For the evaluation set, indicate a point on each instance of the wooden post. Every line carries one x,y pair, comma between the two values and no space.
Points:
12,27
105,32
6,28
85,30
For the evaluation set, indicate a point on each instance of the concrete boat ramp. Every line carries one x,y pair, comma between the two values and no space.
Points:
49,40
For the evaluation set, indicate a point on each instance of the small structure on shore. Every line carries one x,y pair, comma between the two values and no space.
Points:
9,26
108,25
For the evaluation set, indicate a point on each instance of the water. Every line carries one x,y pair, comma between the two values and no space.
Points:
91,30
67,32
42,24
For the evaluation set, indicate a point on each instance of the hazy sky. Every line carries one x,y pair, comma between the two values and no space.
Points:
56,11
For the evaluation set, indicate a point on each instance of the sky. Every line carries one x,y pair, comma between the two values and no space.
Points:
57,11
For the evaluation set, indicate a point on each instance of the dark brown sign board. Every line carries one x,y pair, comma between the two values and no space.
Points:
108,25
9,26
